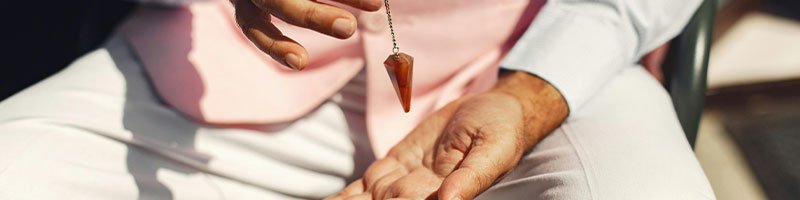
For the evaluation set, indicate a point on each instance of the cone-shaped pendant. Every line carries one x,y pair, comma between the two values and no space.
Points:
400,67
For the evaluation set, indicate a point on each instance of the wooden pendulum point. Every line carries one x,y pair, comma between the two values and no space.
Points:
400,67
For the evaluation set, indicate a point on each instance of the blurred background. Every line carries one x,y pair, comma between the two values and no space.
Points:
749,138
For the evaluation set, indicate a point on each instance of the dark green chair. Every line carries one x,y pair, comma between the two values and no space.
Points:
686,66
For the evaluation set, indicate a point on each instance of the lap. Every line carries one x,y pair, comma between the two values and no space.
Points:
96,130
625,143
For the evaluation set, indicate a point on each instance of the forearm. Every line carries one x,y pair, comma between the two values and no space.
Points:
543,106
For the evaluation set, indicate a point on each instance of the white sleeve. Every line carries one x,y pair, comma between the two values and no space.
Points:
579,45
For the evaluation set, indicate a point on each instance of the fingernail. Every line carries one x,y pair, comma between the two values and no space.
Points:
343,27
293,61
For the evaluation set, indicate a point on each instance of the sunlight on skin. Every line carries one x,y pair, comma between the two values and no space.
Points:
464,148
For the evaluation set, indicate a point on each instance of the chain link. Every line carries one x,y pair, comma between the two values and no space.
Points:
395,48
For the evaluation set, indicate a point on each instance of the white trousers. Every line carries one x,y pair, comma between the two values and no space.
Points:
96,130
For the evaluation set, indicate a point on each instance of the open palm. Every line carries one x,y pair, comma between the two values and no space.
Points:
456,153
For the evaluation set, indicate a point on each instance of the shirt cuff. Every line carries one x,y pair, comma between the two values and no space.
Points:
576,51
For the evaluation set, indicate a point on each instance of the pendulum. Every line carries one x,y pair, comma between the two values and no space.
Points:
400,67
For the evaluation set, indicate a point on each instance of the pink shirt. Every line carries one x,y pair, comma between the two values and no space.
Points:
203,66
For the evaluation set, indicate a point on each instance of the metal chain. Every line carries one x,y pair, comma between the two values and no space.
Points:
395,48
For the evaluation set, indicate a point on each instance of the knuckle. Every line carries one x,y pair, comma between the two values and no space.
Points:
396,190
265,45
385,184
373,172
380,189
310,17
382,184
389,193
272,48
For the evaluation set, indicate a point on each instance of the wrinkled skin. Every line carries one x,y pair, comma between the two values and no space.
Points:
459,151
456,153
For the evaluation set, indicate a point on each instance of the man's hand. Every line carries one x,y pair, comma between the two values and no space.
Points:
253,16
467,146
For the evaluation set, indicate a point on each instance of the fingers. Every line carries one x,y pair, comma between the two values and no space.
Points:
486,162
378,170
421,183
313,15
450,152
254,18
281,48
366,5
364,196
381,174
383,184
264,35
354,189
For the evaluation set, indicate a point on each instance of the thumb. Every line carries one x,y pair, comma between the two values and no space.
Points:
483,165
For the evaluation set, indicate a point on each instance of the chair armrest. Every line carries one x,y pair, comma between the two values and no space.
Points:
686,67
